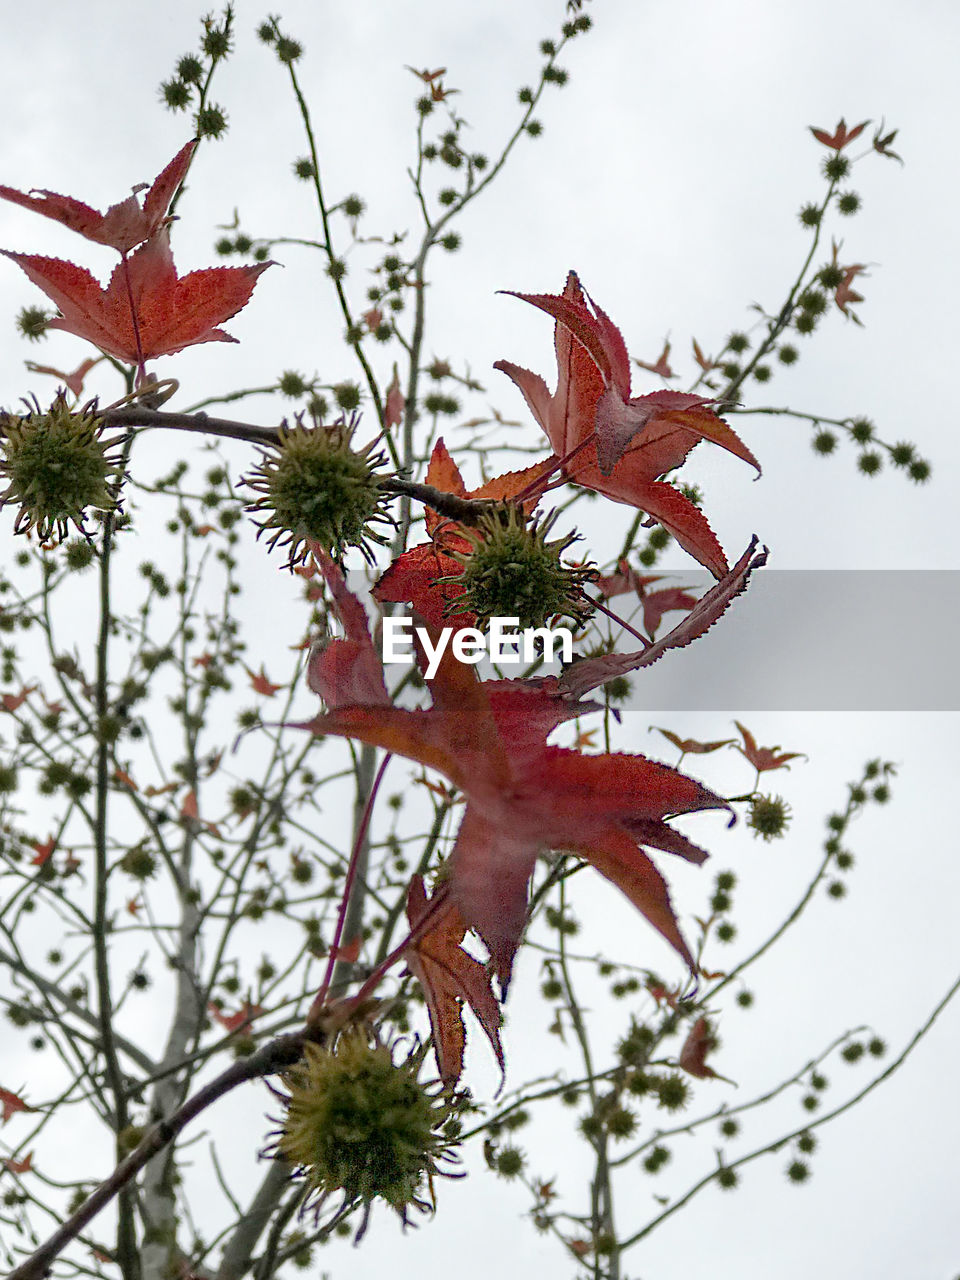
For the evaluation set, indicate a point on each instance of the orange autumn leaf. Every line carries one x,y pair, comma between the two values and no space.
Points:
691,745
12,1103
428,77
837,140
664,995
348,952
693,1056
72,381
524,798
611,442
172,312
43,851
449,978
394,404
260,684
624,580
661,365
152,791
14,701
446,794
121,775
20,1166
764,758
124,225
705,363
883,142
189,807
234,1021
667,600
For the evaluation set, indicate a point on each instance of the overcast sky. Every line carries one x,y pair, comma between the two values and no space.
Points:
669,175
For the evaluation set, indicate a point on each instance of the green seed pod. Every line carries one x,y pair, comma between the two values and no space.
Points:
512,571
315,487
358,1121
769,816
57,466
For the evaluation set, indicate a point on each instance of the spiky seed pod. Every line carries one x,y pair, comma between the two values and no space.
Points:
58,466
769,816
314,486
359,1120
512,571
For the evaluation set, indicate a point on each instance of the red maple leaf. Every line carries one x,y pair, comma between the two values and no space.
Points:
124,225
883,142
12,1102
611,442
72,381
693,1056
14,701
347,672
449,978
844,295
655,603
837,140
667,600
172,312
43,852
349,952
764,758
590,673
524,798
260,684
412,578
234,1021
20,1166
428,77
625,579
705,363
661,365
395,403
692,745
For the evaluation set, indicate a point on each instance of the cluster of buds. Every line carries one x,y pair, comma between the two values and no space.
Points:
315,487
58,466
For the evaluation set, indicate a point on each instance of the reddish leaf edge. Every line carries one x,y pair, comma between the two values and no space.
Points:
590,673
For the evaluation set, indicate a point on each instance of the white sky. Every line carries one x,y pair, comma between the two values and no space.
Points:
669,176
